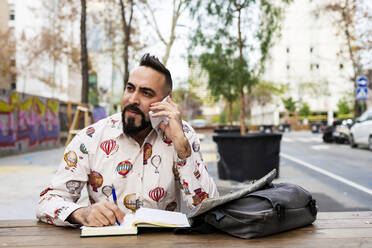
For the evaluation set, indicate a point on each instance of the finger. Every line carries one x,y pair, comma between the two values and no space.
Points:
107,213
162,114
160,106
118,213
101,219
95,218
162,126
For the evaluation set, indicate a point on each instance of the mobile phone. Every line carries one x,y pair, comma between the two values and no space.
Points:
155,121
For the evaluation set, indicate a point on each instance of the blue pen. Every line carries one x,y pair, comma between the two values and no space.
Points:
116,203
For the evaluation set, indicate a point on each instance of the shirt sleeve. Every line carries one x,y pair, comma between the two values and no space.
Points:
196,184
58,201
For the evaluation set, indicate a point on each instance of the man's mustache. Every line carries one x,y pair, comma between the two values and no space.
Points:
133,108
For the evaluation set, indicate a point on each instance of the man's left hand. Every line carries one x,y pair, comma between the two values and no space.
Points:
173,130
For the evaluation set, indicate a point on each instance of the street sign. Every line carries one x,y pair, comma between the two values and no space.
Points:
362,90
362,93
362,82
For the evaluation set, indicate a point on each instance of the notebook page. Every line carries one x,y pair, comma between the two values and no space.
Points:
149,215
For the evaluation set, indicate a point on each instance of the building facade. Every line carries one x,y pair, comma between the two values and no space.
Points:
306,59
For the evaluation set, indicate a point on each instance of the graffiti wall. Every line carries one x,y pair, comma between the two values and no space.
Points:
27,123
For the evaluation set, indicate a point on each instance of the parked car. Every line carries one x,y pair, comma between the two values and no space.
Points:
318,127
338,132
328,132
341,134
361,131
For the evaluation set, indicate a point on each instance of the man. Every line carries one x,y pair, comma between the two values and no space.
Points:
149,167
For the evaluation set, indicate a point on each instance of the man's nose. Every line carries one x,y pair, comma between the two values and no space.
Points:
133,99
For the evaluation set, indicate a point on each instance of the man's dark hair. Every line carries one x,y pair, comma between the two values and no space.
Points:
154,63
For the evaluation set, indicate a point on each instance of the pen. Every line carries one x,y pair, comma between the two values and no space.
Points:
115,201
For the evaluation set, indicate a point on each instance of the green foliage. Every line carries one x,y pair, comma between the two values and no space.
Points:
224,116
343,107
228,48
263,92
289,104
305,109
93,96
188,102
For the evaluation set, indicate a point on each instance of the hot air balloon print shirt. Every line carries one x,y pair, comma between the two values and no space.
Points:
101,156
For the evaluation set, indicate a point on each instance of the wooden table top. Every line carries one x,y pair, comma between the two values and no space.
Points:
331,229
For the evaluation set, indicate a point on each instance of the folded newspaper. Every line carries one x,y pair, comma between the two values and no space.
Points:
210,203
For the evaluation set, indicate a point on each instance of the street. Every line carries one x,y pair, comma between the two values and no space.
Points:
339,177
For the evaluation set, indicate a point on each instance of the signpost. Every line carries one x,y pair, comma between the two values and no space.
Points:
361,93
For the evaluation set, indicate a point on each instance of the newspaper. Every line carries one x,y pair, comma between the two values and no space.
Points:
210,203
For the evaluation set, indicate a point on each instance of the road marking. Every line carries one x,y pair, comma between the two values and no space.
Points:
327,173
284,139
305,140
320,147
317,139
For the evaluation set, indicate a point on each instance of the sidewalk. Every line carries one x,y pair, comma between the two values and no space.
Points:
24,176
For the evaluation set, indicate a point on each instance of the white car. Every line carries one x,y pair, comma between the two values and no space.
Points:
361,131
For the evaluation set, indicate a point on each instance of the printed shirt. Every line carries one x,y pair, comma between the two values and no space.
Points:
101,156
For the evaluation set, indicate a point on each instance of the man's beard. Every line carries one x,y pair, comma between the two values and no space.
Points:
130,128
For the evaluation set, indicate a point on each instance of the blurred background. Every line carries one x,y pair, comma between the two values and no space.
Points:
302,68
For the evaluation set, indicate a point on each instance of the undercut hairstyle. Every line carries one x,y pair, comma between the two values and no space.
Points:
153,62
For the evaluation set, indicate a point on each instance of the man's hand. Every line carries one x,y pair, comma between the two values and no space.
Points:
173,130
103,213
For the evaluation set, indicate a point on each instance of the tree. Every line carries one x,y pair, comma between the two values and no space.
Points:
127,26
178,8
343,107
289,104
51,44
262,93
7,53
84,53
230,48
347,14
218,68
305,109
188,102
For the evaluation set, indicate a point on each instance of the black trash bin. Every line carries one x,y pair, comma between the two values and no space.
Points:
248,157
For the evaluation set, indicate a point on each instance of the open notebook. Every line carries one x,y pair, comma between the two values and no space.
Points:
144,217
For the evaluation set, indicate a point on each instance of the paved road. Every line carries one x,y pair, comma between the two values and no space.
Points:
332,171
24,176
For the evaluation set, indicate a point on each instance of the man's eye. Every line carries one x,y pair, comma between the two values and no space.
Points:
129,88
147,93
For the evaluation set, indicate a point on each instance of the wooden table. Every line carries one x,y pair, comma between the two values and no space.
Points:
333,229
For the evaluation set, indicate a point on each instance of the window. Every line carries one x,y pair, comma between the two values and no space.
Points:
341,66
311,67
311,49
317,66
288,67
12,62
287,49
13,81
11,12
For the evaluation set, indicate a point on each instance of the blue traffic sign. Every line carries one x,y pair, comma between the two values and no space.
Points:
362,93
362,82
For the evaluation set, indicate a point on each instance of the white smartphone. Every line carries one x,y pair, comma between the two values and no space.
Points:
156,121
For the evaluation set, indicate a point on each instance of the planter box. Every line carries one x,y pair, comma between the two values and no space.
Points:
248,157
227,129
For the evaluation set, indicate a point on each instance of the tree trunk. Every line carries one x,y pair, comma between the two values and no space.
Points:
84,53
241,93
230,107
176,15
126,33
346,18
